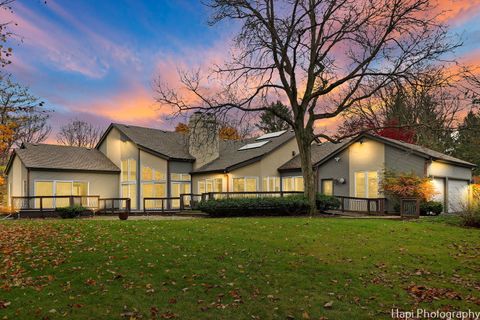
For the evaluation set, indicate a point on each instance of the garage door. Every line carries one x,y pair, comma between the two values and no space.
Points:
439,185
457,195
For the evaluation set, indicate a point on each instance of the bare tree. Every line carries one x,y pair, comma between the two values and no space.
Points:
79,134
5,34
23,117
428,107
323,56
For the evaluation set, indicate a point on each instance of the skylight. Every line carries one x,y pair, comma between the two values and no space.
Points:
254,145
272,135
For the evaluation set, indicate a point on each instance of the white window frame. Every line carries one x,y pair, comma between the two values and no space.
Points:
54,186
365,172
209,180
245,182
137,174
274,178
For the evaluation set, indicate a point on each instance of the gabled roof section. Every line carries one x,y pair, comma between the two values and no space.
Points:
57,157
171,145
434,155
325,151
232,158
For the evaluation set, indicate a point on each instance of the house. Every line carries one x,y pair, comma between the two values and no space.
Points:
137,163
354,168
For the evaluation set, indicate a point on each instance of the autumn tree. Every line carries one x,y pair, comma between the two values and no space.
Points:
79,133
269,122
225,132
23,117
181,127
424,111
322,57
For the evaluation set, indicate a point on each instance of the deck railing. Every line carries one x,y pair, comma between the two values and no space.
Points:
369,205
114,205
185,201
50,203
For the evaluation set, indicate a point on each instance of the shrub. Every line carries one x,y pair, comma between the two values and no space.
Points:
71,212
470,217
325,202
407,185
433,208
263,206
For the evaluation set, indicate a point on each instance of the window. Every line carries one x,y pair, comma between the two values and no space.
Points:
292,183
149,174
327,187
272,135
129,190
179,188
366,184
254,145
180,185
179,177
129,170
271,184
44,188
154,190
58,188
210,185
243,184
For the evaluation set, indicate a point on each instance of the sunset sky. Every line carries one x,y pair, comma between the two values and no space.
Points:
96,60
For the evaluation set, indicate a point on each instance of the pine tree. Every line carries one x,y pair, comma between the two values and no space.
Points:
269,122
468,140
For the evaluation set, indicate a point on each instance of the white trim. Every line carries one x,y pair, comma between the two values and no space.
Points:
365,172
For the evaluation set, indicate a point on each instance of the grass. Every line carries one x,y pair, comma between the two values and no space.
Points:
237,268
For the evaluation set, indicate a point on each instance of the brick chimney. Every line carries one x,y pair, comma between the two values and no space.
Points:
203,138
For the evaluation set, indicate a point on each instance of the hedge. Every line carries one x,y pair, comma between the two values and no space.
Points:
433,208
261,206
72,211
325,202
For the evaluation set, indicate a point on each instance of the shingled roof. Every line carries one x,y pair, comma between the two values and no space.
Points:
231,157
319,152
57,157
326,150
170,144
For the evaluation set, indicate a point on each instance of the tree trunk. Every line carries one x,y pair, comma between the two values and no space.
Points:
305,150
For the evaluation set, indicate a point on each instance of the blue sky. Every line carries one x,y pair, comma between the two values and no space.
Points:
96,60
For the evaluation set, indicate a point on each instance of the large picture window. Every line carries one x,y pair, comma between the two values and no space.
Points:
248,184
271,184
58,188
129,181
210,185
129,170
366,184
154,185
181,184
292,183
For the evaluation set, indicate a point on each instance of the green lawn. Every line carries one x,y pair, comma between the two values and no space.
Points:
245,268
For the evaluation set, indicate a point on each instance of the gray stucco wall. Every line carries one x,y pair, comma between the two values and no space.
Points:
403,161
180,167
333,169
